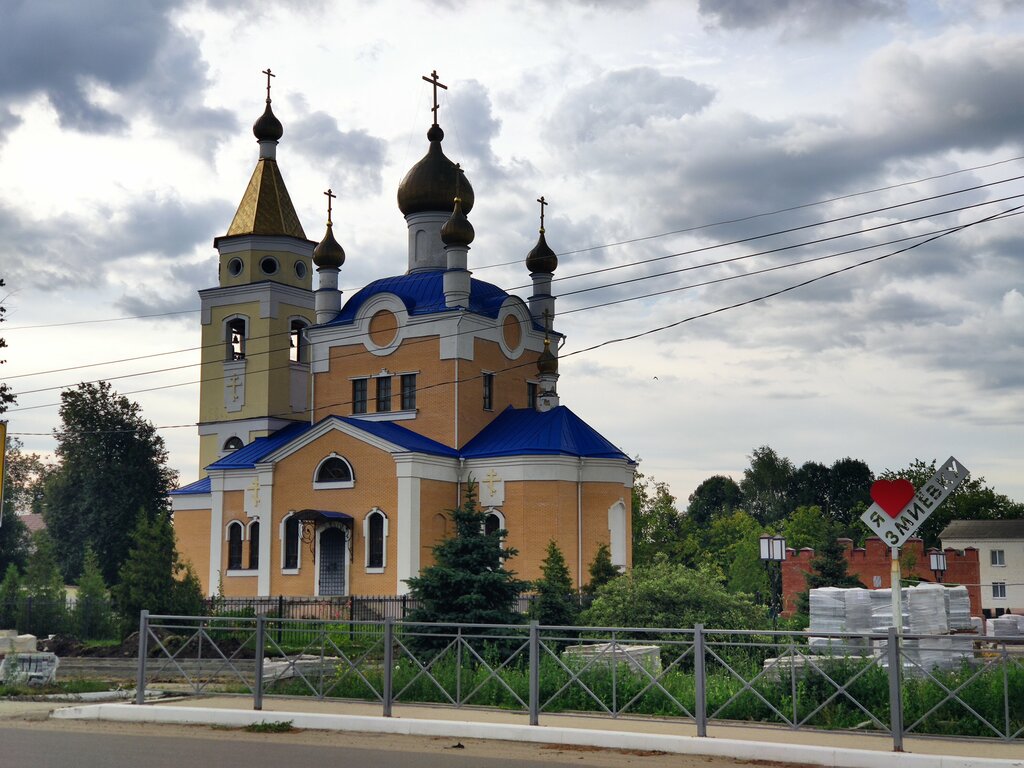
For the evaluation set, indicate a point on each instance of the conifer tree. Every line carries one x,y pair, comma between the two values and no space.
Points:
468,582
556,603
45,604
828,569
91,615
601,571
10,598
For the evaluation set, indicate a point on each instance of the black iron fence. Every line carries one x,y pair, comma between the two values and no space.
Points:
86,618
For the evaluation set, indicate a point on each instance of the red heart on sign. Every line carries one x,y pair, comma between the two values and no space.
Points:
892,495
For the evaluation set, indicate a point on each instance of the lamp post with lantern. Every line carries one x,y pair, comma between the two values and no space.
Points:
937,562
773,550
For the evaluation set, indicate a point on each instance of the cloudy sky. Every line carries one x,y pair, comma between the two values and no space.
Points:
701,159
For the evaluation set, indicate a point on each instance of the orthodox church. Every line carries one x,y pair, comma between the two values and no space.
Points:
335,435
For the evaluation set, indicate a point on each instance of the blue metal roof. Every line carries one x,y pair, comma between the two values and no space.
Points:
423,293
198,487
399,435
247,456
524,431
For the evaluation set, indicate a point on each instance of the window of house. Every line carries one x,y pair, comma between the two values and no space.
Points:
232,444
375,530
235,331
488,391
296,343
408,391
999,590
234,546
333,472
254,546
359,387
291,543
998,557
494,522
531,394
383,394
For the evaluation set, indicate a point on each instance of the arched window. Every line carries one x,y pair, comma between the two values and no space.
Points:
235,337
254,546
333,472
375,531
296,342
234,546
232,444
290,543
495,521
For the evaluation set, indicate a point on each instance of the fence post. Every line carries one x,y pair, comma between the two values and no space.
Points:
534,673
280,617
389,663
140,679
895,691
257,694
700,699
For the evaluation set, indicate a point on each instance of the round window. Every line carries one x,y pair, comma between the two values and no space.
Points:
300,269
235,267
269,265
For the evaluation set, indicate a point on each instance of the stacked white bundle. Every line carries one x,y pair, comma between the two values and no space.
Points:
978,625
1003,626
958,604
1020,624
881,609
926,610
828,614
858,614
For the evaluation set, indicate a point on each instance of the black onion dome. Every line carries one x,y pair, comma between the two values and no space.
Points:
430,184
547,362
268,127
541,258
457,230
328,252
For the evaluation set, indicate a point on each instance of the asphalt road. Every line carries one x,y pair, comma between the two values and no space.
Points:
92,744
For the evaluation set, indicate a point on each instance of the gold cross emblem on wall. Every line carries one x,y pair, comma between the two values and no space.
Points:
255,488
490,478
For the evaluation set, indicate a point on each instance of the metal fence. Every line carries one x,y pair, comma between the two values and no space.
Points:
86,618
882,684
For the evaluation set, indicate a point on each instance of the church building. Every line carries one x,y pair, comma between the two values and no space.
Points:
334,435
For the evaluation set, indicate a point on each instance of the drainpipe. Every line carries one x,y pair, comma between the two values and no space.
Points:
579,524
312,378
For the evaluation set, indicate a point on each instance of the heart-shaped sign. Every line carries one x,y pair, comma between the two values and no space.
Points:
892,495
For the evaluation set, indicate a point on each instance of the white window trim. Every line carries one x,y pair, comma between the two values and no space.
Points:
992,556
298,545
226,334
998,584
366,540
500,515
248,537
227,537
334,484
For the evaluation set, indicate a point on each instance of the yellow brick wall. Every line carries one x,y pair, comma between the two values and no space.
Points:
436,499
192,539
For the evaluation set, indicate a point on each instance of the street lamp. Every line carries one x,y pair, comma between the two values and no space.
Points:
773,550
937,562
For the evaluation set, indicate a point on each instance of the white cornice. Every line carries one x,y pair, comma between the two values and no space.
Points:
269,294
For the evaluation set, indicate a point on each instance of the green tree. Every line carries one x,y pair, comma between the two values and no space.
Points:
24,475
10,598
808,527
601,570
665,594
657,523
715,496
468,581
808,486
45,604
112,464
153,576
91,616
849,491
828,569
556,603
725,535
766,484
747,573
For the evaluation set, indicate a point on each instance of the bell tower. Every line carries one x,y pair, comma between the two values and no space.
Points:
255,371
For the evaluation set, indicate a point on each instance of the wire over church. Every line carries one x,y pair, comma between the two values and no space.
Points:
335,435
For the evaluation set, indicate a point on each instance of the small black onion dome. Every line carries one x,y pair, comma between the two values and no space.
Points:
268,127
547,362
328,252
541,258
457,230
430,184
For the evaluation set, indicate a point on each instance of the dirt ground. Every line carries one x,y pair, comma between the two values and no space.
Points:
554,754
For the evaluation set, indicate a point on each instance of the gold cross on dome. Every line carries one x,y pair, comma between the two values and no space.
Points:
542,202
269,75
330,197
437,84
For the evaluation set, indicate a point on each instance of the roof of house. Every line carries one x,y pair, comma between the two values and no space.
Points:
524,431
423,293
983,529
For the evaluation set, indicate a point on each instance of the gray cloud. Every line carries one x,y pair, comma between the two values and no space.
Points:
798,18
472,130
65,50
351,160
632,98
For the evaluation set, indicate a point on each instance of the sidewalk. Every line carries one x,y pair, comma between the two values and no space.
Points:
775,744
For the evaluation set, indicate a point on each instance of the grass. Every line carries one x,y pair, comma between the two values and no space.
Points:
276,726
67,687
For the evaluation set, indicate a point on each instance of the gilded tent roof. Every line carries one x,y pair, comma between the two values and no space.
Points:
266,208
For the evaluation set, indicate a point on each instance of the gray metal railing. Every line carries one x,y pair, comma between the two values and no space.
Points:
882,683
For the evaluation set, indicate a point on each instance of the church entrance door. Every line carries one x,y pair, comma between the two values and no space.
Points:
332,561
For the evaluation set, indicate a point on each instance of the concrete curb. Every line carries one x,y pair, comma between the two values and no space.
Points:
688,745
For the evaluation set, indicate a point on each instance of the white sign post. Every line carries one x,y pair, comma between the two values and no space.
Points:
898,511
